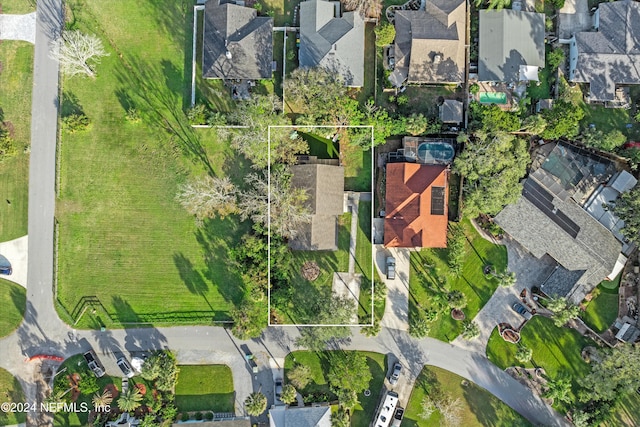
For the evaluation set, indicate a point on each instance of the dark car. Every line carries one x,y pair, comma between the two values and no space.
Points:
520,309
125,367
391,268
6,270
94,363
395,373
397,417
278,388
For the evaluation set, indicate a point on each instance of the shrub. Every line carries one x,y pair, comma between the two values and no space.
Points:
208,416
197,114
199,416
75,123
133,116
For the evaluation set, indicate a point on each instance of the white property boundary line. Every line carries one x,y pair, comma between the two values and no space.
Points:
193,52
373,258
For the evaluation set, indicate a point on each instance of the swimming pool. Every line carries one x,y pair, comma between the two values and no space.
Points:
492,97
435,152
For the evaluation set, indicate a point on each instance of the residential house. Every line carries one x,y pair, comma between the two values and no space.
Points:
555,216
290,416
325,189
511,46
416,206
450,112
430,44
221,420
607,59
238,44
333,40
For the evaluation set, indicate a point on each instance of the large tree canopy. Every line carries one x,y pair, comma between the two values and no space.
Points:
627,208
492,166
615,375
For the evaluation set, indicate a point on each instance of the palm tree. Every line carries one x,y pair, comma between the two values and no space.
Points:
524,354
559,389
130,400
255,404
102,400
289,394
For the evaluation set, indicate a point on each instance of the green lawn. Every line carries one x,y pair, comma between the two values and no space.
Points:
541,89
10,391
602,310
13,299
16,67
428,266
364,264
479,407
122,236
282,11
626,412
557,350
17,7
205,387
357,168
319,364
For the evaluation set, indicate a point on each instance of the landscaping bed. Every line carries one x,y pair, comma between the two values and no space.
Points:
478,408
13,299
205,388
429,267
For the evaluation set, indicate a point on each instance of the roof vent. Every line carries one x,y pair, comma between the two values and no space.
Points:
228,52
437,58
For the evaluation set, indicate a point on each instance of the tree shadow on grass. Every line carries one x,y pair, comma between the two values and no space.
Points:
150,88
191,277
70,104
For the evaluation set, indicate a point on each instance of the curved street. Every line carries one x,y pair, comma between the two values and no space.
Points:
42,332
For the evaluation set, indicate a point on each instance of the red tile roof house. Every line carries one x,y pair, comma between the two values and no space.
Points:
416,206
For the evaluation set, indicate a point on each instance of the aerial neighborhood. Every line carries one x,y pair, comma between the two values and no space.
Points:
313,213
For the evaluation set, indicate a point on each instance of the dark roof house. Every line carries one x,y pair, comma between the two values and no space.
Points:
511,45
325,188
451,111
416,206
609,56
550,218
430,44
331,40
238,44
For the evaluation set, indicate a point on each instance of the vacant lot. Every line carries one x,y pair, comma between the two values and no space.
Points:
205,387
122,236
429,268
557,350
16,66
320,390
13,299
479,407
10,391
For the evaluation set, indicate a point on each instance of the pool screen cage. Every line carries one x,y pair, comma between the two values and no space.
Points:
428,151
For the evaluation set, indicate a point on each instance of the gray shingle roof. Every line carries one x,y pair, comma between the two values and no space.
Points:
451,111
240,31
429,44
325,188
611,55
300,417
335,43
509,39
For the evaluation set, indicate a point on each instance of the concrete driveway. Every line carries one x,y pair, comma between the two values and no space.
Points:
574,17
16,252
396,312
18,27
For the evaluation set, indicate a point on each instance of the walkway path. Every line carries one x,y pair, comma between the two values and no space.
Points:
18,27
16,252
42,332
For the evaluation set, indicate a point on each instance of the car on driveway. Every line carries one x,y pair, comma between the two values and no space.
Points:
520,309
125,367
397,417
278,390
6,270
391,268
94,363
395,373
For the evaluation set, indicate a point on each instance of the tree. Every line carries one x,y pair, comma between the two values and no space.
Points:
534,124
385,34
349,371
470,330
418,325
300,376
255,404
78,53
450,410
559,389
456,248
161,366
208,197
366,8
347,398
627,208
88,383
563,120
371,331
289,394
337,310
149,420
555,58
492,166
340,418
524,354
607,141
248,320
75,123
316,91
417,124
102,399
130,400
428,408
616,375
563,311
457,299
507,279
491,118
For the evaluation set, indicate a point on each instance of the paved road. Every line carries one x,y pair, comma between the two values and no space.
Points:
42,332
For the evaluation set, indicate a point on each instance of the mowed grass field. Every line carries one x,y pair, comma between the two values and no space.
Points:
16,68
122,237
17,6
205,387
13,299
10,391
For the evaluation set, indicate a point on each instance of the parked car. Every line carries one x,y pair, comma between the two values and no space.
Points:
278,388
391,268
6,270
125,367
520,309
94,363
395,373
397,417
